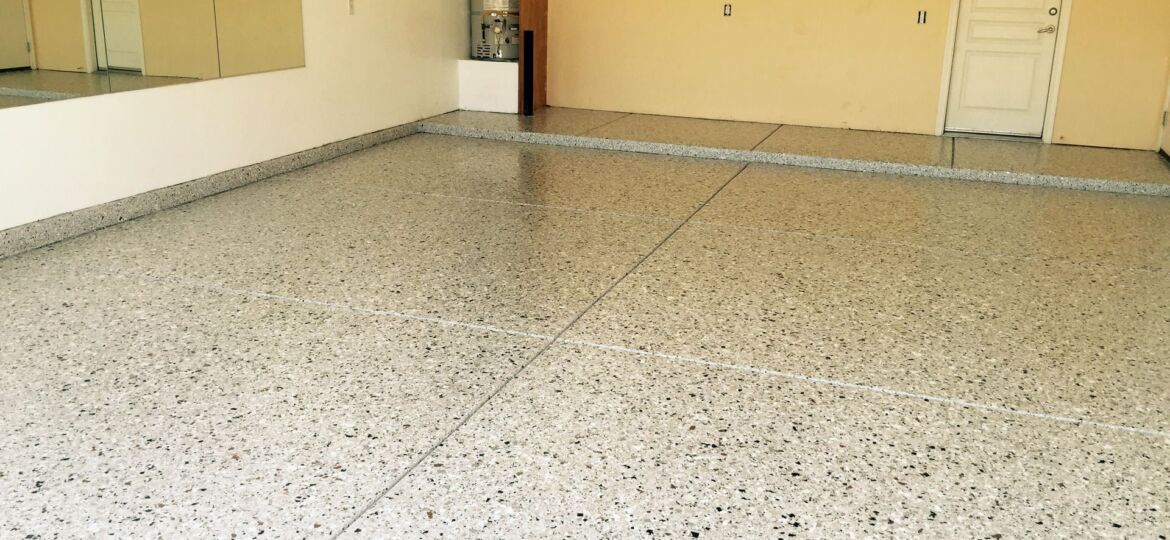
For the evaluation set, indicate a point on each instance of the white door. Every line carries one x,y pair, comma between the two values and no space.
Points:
13,35
1004,52
123,34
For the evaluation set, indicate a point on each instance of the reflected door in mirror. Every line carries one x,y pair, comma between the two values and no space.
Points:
123,34
14,51
62,49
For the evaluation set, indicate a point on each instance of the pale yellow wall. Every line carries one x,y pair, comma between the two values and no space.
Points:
260,35
178,38
58,32
1114,83
862,64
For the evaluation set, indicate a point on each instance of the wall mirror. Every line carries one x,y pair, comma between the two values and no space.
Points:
61,49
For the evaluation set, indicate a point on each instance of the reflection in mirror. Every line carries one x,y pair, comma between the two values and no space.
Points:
60,49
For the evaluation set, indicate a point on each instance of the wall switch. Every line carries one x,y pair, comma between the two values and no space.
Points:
922,17
726,10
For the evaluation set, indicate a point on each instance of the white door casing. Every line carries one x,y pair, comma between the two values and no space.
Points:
1166,124
1002,68
14,43
123,34
99,34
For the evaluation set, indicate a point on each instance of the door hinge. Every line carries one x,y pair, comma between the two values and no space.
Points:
1166,118
28,46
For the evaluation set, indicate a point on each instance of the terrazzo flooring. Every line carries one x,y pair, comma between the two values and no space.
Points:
460,338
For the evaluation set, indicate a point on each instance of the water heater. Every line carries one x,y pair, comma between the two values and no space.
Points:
495,30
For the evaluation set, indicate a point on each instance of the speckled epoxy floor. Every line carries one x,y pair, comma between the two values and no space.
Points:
446,337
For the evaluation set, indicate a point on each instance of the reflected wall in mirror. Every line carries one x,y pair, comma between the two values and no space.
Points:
60,49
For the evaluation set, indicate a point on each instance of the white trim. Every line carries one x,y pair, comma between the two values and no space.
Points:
87,36
1053,85
142,37
1164,140
1057,70
28,30
948,66
99,35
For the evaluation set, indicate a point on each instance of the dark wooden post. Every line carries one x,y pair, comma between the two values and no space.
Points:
533,55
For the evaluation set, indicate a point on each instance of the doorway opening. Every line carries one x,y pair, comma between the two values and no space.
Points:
1003,71
15,45
117,33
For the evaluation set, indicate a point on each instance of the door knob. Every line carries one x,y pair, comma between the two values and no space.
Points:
1050,29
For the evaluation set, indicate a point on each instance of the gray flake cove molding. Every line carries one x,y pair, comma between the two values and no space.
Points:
756,156
71,224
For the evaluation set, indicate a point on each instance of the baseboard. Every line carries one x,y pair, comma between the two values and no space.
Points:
71,224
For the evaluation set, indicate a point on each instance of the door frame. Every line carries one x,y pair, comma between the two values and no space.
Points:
93,18
1164,139
1066,8
28,35
99,34
87,35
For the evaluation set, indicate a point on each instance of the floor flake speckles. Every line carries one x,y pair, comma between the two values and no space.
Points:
552,120
526,268
1033,335
688,131
446,337
137,409
968,217
1055,159
863,145
593,444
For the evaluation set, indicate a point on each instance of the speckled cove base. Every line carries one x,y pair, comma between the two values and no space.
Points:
33,93
68,225
756,156
57,228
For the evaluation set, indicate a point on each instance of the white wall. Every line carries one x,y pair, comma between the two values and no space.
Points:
391,63
489,86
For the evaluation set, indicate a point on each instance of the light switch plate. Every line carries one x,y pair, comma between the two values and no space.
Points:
726,10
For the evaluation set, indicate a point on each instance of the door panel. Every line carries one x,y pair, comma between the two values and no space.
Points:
1004,53
178,39
984,74
58,28
123,32
239,22
13,35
